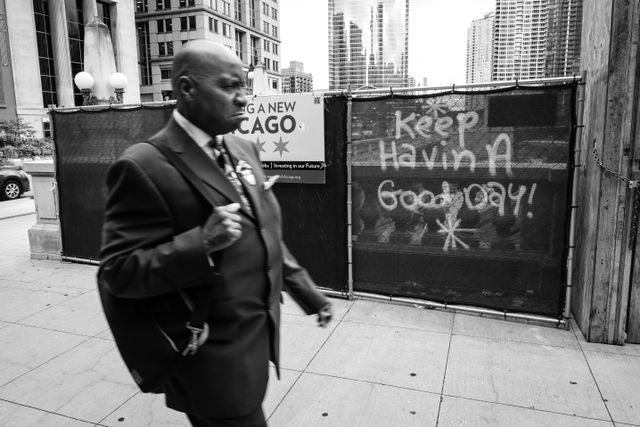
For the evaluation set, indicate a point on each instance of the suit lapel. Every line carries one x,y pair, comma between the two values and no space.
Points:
201,164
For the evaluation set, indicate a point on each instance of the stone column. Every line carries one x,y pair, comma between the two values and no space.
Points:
60,39
124,32
45,240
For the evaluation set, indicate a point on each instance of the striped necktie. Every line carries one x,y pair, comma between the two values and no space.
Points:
222,157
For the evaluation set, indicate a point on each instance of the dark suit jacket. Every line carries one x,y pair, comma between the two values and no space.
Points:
152,257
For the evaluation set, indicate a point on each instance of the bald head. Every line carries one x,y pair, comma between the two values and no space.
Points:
200,58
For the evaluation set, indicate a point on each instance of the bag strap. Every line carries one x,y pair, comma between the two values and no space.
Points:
197,325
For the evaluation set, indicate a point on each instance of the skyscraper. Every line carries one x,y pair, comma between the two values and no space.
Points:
480,49
295,80
563,38
368,43
519,39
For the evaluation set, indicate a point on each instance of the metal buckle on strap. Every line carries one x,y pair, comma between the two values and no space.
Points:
198,337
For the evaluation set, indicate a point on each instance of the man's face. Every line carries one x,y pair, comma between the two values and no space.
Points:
218,97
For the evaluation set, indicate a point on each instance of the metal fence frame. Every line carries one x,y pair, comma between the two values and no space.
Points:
462,89
350,293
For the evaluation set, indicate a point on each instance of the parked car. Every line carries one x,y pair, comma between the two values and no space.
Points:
13,182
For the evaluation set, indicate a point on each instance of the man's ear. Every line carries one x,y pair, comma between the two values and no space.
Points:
186,88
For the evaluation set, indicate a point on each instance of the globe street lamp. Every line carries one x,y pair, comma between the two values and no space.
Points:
85,81
118,82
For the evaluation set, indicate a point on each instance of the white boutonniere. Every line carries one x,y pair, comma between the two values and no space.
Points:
244,170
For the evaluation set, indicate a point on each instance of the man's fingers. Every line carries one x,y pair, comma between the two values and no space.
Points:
231,207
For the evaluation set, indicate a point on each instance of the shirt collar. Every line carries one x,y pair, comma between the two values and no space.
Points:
198,135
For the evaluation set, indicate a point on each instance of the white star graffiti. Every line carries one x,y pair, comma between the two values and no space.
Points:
450,230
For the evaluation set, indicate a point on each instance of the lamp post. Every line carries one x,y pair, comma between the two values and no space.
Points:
85,81
118,82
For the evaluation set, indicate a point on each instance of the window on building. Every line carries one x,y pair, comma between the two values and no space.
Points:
275,66
165,74
187,23
255,45
144,53
213,25
226,8
238,10
141,6
240,37
274,13
45,54
161,25
165,49
266,45
163,4
274,48
275,31
187,3
265,27
265,8
168,25
226,30
252,13
274,84
267,63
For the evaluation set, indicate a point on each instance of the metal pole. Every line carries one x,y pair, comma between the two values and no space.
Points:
574,198
485,85
80,260
349,201
447,307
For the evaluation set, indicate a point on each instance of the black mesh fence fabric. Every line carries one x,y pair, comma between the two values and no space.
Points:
463,198
315,215
87,142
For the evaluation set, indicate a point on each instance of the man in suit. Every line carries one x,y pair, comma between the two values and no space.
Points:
162,242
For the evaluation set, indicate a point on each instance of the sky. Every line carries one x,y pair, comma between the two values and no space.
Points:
437,38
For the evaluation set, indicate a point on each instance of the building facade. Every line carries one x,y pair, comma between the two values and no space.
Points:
42,49
519,39
563,38
295,80
368,43
249,28
480,49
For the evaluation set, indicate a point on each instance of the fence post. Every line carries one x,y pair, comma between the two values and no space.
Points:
349,200
574,197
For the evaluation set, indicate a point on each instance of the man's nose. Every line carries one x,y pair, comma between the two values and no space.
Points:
241,99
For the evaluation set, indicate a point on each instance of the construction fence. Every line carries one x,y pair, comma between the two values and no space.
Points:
458,197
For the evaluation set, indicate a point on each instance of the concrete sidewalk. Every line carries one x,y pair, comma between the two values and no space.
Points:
378,364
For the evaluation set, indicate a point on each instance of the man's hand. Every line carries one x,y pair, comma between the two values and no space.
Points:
222,228
324,315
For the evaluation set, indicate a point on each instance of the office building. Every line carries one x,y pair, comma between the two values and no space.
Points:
519,39
249,28
368,43
42,49
295,80
480,49
563,38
